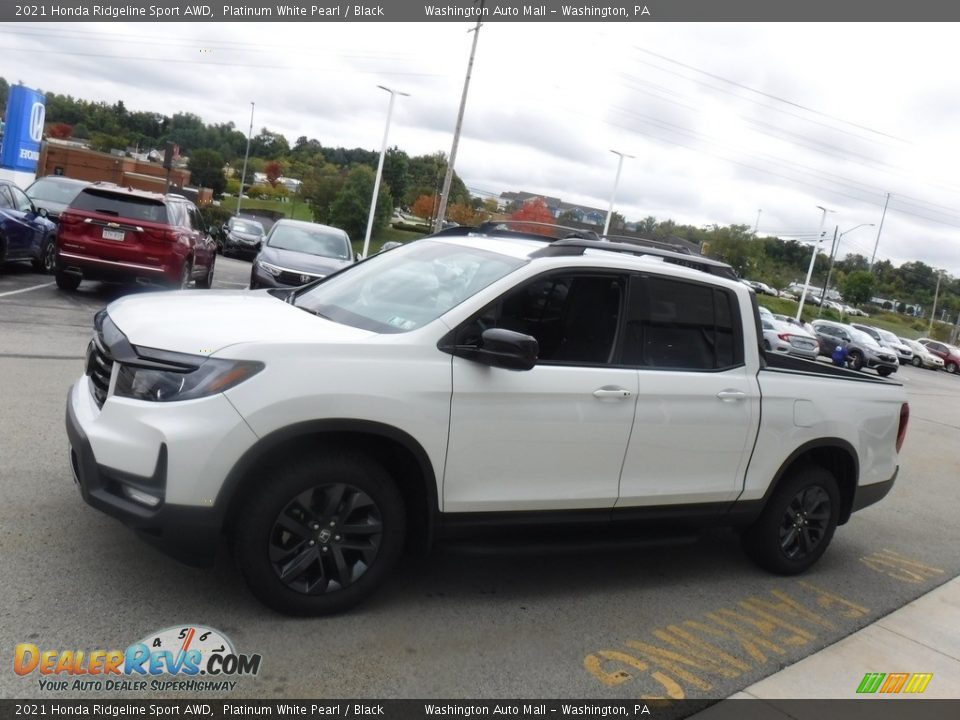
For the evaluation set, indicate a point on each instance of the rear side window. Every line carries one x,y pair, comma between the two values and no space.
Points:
126,207
680,325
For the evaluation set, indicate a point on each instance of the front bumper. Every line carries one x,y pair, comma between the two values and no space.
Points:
126,447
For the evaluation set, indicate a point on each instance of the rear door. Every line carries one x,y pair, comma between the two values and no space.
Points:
698,406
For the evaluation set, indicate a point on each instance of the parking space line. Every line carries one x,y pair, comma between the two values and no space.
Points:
27,289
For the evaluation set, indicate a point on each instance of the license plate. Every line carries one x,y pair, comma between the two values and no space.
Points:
112,234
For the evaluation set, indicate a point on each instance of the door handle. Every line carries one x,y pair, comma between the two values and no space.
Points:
728,395
609,392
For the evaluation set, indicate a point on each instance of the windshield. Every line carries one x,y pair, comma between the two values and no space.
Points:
888,336
862,338
407,287
247,226
54,191
315,240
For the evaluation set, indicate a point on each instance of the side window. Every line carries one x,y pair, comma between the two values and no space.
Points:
827,330
20,200
196,220
574,317
5,200
680,325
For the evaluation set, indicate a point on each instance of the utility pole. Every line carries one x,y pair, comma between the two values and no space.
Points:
376,182
613,194
813,259
833,256
442,210
933,310
756,225
246,156
876,244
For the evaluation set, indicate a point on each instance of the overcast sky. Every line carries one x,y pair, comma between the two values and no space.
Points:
724,120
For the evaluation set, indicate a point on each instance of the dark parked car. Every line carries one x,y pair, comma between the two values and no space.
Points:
864,352
297,252
25,232
54,193
242,236
117,234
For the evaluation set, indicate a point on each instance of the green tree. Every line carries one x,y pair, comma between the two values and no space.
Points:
206,170
351,207
857,287
320,188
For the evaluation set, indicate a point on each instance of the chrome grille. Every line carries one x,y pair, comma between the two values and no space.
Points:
288,277
99,369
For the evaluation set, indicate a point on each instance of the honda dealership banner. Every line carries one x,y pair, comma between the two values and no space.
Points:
23,129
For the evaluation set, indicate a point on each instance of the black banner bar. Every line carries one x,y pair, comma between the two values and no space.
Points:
491,10
200,707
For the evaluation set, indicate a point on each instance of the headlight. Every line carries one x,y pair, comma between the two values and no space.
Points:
211,377
272,269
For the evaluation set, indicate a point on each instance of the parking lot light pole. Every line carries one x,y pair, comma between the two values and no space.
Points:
246,156
813,259
376,182
833,256
613,195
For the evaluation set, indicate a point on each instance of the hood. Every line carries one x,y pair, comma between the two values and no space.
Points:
249,237
204,322
301,262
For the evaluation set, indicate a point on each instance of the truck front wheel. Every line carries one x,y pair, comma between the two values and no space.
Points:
320,534
797,524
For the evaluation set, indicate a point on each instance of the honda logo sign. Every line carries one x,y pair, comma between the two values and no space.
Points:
37,114
23,133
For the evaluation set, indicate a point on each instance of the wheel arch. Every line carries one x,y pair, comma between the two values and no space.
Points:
400,454
837,456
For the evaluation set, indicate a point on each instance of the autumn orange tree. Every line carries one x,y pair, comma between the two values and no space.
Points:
424,206
464,214
534,210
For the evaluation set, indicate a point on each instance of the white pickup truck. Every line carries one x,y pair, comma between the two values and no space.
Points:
483,381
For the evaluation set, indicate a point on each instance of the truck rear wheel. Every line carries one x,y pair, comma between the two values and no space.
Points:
797,524
321,534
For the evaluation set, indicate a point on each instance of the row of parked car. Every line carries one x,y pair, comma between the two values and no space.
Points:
100,231
866,346
763,289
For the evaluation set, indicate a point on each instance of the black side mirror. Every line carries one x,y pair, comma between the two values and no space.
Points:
501,348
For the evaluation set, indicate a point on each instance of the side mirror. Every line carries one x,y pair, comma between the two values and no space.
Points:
358,257
501,348
42,212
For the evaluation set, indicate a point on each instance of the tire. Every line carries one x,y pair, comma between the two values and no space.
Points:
855,360
47,261
797,524
206,282
951,368
884,372
186,275
67,281
289,520
917,362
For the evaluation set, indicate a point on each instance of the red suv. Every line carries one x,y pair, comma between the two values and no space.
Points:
116,234
950,354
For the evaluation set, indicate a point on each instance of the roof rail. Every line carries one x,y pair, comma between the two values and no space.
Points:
577,246
503,227
648,243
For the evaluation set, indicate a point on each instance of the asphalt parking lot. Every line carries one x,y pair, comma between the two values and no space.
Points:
697,620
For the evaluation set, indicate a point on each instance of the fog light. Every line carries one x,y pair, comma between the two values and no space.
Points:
140,496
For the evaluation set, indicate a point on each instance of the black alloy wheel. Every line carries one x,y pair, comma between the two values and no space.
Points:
804,522
856,360
319,533
325,539
797,523
951,368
